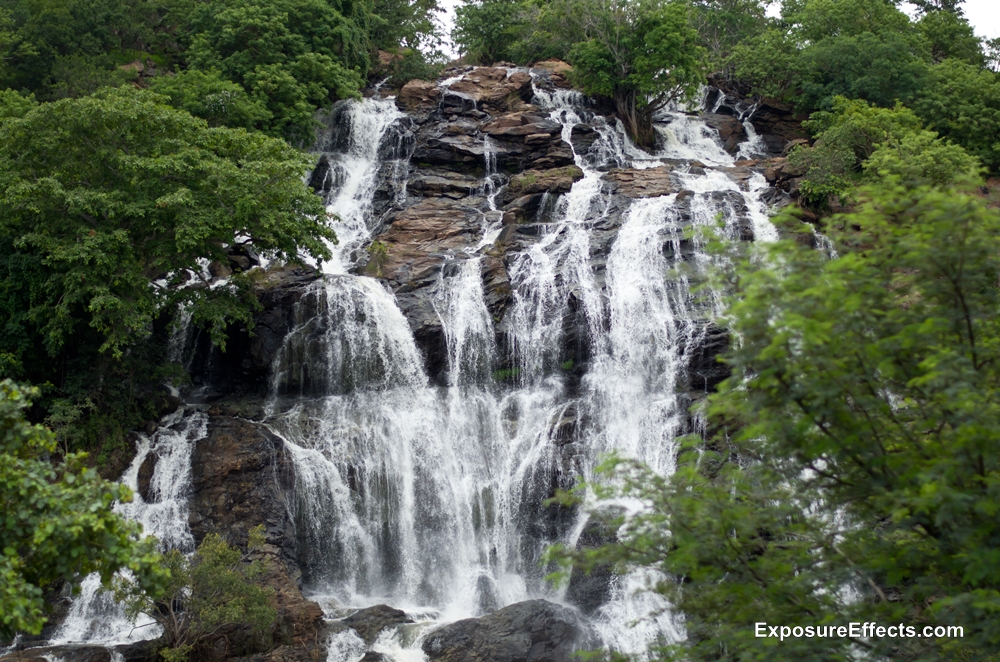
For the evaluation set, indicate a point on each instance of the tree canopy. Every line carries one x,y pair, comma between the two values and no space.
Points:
109,204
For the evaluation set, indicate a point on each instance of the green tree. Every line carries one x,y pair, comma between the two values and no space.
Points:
722,24
852,476
206,94
857,143
951,36
53,44
407,24
107,205
962,103
208,595
485,30
860,49
291,56
57,522
640,55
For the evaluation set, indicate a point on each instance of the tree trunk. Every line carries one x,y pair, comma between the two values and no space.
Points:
638,121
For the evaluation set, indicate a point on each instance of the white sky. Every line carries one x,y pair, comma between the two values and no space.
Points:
984,15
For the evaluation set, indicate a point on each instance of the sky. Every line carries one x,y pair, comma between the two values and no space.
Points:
984,15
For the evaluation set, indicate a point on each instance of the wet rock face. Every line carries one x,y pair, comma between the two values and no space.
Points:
241,478
647,183
532,631
370,622
245,367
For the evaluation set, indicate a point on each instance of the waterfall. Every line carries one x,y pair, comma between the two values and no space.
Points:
425,492
363,127
428,497
94,616
348,334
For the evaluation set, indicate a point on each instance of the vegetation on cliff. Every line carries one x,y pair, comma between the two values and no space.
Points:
852,475
209,597
57,521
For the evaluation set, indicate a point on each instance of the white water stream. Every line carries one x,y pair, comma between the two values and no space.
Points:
429,498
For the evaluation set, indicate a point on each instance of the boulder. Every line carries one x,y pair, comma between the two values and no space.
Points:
495,87
418,94
777,123
369,622
532,631
730,129
554,180
647,183
419,237
146,470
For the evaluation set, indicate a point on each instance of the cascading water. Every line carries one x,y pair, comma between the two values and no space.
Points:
94,616
354,172
428,497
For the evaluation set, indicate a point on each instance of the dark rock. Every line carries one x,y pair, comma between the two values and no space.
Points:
241,478
443,183
369,622
220,270
590,590
320,179
419,237
245,366
140,651
532,631
556,180
522,209
777,123
730,129
372,656
555,73
146,470
705,372
495,88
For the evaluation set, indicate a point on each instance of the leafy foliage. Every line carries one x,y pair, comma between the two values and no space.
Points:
106,201
209,594
852,477
858,143
206,94
639,55
60,47
962,103
57,522
642,55
291,56
485,30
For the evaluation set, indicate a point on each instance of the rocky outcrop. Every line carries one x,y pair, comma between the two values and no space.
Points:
533,631
647,183
242,478
495,88
731,131
371,621
558,72
418,94
778,124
